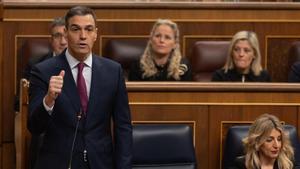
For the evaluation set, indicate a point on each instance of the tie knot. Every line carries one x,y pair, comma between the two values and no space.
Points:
80,66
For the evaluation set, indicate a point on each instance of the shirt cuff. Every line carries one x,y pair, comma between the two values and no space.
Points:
48,109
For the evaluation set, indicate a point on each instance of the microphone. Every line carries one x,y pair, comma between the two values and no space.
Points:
79,115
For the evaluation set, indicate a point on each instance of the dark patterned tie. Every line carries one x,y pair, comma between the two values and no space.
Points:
81,87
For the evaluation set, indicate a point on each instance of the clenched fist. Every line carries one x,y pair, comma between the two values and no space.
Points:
54,89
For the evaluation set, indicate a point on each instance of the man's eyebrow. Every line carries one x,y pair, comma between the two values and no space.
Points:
85,26
57,34
75,25
88,26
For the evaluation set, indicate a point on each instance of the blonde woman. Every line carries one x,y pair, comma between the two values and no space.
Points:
162,60
267,146
243,62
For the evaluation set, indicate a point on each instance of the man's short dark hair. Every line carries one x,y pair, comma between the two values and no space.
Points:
59,21
79,11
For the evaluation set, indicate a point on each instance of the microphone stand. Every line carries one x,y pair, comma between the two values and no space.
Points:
73,143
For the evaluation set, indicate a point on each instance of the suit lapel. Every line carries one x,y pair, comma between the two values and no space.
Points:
69,83
96,82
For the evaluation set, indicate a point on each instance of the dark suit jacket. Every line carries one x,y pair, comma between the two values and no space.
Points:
234,76
239,163
136,73
35,60
108,100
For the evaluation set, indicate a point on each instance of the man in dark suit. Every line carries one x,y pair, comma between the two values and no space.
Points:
62,96
58,44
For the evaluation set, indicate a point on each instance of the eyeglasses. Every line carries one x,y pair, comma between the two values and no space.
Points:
57,35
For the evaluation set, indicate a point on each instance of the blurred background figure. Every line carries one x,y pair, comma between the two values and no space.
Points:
243,62
57,42
294,75
267,146
162,59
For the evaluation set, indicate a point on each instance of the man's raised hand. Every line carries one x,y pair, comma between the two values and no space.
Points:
54,88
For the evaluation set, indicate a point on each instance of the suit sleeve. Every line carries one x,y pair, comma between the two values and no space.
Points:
38,117
122,126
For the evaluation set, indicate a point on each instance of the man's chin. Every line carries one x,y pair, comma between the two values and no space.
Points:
83,52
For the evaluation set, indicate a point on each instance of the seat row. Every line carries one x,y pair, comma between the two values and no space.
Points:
205,56
170,145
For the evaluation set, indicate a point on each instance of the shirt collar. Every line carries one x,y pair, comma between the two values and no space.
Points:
73,62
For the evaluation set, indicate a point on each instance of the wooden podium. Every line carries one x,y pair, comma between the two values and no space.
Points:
210,108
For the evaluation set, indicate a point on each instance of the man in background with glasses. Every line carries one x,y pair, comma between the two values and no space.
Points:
57,42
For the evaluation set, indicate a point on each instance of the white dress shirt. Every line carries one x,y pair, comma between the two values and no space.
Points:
87,74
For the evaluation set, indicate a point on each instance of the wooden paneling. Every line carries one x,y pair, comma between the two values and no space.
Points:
7,156
1,156
11,31
206,106
211,104
1,10
1,85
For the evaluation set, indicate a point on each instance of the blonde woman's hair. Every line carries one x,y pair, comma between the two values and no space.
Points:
175,69
258,134
251,37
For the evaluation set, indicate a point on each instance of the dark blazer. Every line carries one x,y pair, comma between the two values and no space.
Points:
136,73
234,76
35,60
239,163
108,100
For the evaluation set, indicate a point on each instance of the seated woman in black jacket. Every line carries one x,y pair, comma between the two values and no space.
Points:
267,146
243,62
162,59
